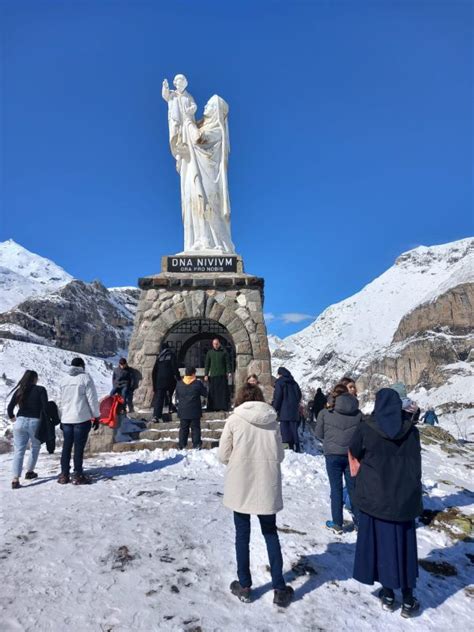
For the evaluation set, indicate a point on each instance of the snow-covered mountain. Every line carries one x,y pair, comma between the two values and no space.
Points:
420,308
24,274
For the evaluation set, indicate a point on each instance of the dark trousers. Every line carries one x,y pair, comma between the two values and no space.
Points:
162,395
242,541
289,434
124,391
74,435
337,467
184,425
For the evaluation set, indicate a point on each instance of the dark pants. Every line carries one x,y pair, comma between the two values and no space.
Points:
337,467
74,435
162,395
289,434
123,391
184,425
242,541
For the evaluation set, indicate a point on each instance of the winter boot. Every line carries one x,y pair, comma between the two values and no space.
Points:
387,599
63,479
410,608
16,484
81,479
332,526
31,475
283,598
242,593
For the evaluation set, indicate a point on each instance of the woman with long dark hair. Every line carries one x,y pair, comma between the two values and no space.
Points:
31,401
252,449
388,495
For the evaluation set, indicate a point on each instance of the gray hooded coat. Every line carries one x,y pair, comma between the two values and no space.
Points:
336,427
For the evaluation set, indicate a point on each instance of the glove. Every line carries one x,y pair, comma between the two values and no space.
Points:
95,423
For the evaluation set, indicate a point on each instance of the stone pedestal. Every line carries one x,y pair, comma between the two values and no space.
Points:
234,300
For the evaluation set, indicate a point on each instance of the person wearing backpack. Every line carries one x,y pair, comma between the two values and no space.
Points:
388,494
79,412
252,449
189,391
32,402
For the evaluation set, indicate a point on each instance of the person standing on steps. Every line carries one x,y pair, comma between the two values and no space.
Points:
335,428
286,401
251,448
165,376
79,412
122,381
32,402
189,391
217,373
388,495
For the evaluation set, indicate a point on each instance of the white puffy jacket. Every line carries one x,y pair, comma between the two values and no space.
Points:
251,447
79,400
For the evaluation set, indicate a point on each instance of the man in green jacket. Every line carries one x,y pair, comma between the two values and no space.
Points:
217,372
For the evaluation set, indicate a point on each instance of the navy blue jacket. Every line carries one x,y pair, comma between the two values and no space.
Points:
287,397
189,399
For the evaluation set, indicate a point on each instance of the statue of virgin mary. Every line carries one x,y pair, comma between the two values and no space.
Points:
201,150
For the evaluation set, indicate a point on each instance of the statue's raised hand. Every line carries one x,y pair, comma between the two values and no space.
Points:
165,90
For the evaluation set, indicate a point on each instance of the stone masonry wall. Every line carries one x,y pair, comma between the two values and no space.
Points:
236,302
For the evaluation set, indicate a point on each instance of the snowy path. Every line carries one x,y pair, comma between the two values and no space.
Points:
149,546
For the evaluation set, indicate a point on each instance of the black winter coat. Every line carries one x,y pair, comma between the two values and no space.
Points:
122,377
189,399
287,397
165,372
388,485
46,432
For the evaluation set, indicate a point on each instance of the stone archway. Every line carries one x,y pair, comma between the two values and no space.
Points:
166,302
191,338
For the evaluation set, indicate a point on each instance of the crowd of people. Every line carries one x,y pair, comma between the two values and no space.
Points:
377,457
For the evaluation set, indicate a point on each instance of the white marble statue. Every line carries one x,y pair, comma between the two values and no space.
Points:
201,151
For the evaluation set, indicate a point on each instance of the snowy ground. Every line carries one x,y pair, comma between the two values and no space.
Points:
149,546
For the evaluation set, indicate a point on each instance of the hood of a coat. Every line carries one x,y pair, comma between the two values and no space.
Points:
285,375
256,413
406,426
346,404
76,370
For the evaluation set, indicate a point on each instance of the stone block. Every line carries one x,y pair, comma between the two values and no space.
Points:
198,301
188,303
209,305
227,317
235,326
241,336
101,440
216,311
242,313
243,348
242,299
180,311
243,359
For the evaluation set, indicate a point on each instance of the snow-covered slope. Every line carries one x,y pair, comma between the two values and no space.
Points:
24,274
351,333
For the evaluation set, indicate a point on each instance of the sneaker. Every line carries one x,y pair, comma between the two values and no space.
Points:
31,475
409,609
16,485
283,598
242,593
387,601
63,479
81,479
332,526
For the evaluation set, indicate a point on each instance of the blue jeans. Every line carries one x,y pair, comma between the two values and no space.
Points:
74,435
242,541
24,430
337,467
124,391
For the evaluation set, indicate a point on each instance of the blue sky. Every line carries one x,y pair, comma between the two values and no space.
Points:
350,128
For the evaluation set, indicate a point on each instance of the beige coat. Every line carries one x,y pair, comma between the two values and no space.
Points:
251,448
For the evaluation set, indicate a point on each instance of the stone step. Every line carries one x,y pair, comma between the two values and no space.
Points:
173,425
163,444
147,415
173,433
